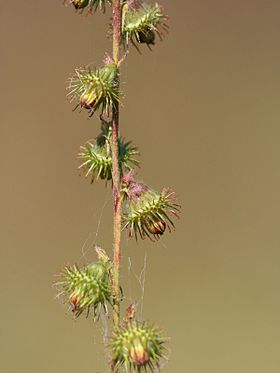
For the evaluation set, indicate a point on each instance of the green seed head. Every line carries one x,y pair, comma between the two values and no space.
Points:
147,212
137,347
95,89
86,289
96,156
141,23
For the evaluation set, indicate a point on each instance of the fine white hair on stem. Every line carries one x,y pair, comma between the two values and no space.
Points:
86,248
105,335
140,279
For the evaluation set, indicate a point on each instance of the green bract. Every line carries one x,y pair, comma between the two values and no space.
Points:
86,289
95,90
141,24
97,157
137,347
90,5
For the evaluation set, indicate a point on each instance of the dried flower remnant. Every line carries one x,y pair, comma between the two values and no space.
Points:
130,312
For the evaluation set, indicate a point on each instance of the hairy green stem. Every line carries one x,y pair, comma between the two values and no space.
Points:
116,173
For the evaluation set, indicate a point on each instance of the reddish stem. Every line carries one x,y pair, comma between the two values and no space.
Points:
116,172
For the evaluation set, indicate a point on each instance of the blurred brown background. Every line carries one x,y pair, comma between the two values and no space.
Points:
203,108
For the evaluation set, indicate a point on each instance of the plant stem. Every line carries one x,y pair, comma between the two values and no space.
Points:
117,221
116,30
116,173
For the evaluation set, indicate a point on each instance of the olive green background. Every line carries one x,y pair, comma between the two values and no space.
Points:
203,108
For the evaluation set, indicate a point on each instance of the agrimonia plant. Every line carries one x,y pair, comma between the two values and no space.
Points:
134,345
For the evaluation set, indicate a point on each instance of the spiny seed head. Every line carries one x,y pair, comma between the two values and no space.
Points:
96,161
96,156
147,212
89,5
141,23
87,288
95,89
137,347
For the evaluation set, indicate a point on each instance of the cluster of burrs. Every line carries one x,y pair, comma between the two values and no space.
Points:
141,22
135,346
146,212
97,88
